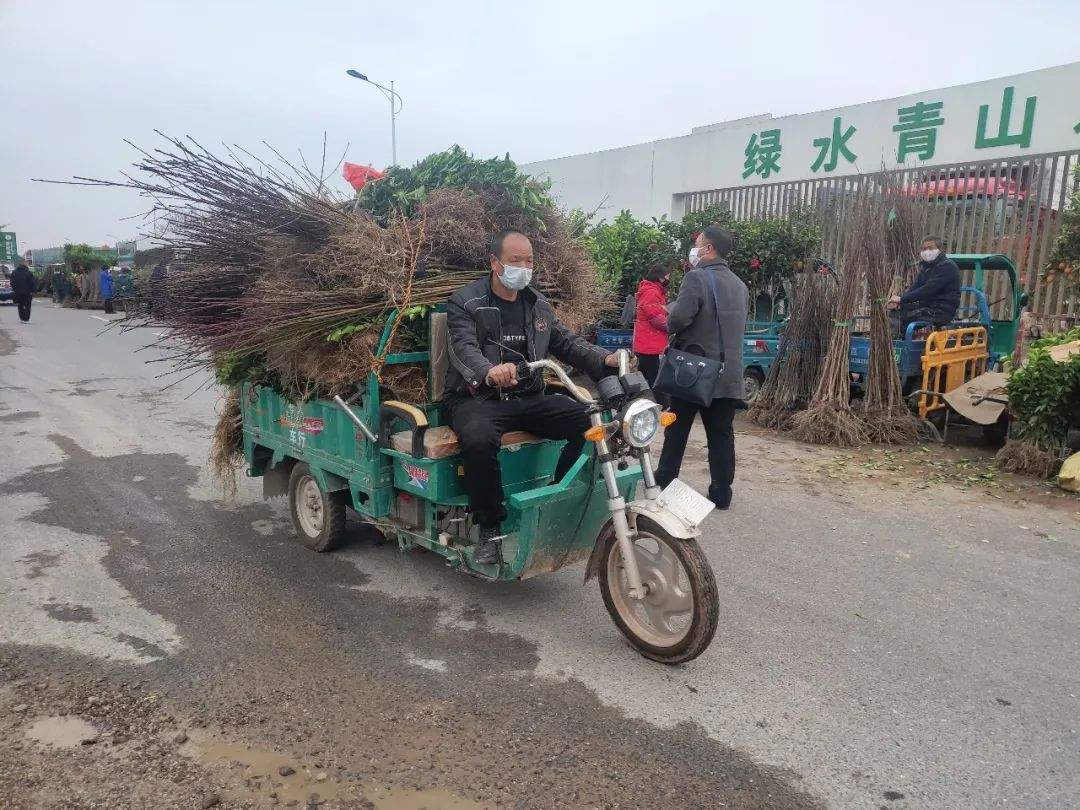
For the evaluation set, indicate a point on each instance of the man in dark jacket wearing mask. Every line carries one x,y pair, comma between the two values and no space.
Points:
934,296
495,323
23,284
709,317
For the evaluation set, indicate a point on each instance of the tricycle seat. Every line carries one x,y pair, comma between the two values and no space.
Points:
442,442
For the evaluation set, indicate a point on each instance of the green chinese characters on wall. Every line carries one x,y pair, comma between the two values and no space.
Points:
1003,136
916,129
831,148
762,154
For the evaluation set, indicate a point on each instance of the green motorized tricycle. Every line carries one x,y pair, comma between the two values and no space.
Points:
396,464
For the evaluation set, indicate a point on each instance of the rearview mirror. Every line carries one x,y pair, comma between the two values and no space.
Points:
1024,299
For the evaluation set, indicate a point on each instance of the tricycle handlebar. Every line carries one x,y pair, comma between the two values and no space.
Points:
579,393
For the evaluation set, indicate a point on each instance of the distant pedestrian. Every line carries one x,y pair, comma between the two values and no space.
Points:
125,287
22,290
58,285
629,313
650,321
709,317
158,278
106,288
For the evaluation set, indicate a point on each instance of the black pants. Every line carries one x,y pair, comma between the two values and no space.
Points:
720,433
108,302
23,301
480,424
649,364
907,313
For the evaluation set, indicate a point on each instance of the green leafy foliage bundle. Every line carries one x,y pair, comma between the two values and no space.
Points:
1044,395
403,189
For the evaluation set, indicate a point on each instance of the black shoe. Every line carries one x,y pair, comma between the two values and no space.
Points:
720,500
489,548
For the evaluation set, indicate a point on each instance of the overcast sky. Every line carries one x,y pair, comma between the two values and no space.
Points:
539,79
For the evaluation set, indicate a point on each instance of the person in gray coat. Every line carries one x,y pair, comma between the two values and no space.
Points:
693,325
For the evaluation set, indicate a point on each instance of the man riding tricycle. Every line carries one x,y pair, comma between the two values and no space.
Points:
940,348
511,469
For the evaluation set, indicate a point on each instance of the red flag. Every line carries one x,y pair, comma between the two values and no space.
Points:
358,175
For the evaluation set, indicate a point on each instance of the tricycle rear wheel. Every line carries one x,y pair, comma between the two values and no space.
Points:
319,517
676,622
753,380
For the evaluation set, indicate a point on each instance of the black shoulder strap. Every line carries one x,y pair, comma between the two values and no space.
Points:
716,306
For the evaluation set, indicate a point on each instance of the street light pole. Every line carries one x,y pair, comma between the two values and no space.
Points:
396,104
393,125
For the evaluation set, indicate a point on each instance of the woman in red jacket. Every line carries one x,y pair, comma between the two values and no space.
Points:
650,321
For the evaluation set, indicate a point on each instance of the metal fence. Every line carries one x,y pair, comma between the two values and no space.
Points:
1011,206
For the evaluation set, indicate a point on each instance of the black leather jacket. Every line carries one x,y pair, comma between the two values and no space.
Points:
545,336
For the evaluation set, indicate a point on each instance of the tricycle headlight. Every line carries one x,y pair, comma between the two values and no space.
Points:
641,422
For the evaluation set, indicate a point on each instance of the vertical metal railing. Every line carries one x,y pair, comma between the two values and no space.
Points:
1007,205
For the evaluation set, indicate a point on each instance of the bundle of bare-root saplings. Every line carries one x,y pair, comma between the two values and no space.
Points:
280,280
809,387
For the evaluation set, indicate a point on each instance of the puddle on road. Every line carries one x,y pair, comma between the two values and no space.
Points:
260,770
61,732
420,800
434,664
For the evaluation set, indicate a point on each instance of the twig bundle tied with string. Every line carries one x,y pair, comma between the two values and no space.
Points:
793,375
829,419
890,235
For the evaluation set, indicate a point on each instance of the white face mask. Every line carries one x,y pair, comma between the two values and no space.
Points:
929,255
515,278
694,257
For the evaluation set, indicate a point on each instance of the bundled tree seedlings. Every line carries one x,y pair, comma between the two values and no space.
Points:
890,232
793,376
278,279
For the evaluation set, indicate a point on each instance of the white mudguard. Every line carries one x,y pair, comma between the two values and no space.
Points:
679,510
668,520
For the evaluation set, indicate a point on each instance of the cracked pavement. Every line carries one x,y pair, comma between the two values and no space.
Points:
880,645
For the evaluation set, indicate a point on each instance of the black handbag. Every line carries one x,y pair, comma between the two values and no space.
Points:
688,376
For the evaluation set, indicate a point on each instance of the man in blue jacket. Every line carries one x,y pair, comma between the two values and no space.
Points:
106,289
935,294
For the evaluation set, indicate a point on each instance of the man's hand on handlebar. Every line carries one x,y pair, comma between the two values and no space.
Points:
503,375
612,360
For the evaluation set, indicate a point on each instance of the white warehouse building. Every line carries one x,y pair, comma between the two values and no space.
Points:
1030,114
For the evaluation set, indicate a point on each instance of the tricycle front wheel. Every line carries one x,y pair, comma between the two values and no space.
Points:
676,621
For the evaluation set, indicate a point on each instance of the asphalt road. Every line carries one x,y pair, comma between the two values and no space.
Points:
880,645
